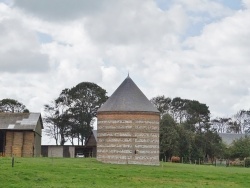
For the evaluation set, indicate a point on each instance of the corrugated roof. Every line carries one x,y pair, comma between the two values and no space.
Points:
228,138
128,97
19,121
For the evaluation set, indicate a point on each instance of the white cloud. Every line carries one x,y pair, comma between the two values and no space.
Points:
20,50
61,10
246,3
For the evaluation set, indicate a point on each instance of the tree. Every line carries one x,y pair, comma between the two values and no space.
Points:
221,124
185,129
198,115
169,137
162,104
72,114
242,119
240,148
85,99
179,109
193,114
234,126
57,118
186,138
213,146
13,106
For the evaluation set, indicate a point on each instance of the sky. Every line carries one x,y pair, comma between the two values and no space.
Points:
195,49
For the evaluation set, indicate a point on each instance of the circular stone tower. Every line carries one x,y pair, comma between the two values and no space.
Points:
128,128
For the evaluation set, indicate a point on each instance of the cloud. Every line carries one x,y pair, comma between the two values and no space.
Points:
23,61
20,50
246,3
131,22
192,49
62,10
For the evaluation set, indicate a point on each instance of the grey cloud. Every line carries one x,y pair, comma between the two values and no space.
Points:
20,49
23,61
132,22
62,10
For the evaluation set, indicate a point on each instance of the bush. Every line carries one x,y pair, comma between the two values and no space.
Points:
237,162
247,162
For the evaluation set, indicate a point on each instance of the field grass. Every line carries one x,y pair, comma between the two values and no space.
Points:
87,172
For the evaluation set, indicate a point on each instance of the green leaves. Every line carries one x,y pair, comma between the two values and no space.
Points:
169,137
13,106
240,148
72,114
185,129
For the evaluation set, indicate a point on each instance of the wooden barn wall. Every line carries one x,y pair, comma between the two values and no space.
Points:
128,138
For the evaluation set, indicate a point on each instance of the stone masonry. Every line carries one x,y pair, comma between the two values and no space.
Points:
128,128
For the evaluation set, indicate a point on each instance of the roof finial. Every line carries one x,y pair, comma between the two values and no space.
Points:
128,74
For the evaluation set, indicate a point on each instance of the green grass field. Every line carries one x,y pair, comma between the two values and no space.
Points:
86,172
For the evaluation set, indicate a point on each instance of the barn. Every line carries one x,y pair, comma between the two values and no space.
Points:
88,150
90,143
128,128
20,134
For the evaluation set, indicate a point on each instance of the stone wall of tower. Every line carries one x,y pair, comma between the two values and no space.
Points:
128,138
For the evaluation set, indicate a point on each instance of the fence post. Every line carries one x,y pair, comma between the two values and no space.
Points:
12,161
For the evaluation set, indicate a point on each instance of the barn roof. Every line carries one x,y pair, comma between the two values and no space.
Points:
228,138
128,97
19,121
95,134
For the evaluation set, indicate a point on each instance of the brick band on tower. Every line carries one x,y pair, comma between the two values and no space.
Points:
128,128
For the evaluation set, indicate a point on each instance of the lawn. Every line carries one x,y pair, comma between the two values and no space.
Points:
87,172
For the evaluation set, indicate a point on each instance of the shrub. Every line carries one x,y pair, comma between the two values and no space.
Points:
247,162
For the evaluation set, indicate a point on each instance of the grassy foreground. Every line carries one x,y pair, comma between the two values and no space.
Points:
86,172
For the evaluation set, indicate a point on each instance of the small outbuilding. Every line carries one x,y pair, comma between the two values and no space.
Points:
91,142
20,134
128,128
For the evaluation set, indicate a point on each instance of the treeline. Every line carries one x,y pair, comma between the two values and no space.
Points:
187,131
237,123
70,116
12,106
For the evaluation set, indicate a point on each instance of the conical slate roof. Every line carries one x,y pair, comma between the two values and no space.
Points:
128,97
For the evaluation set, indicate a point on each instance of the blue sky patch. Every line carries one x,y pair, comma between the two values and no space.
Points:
232,4
44,38
164,4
